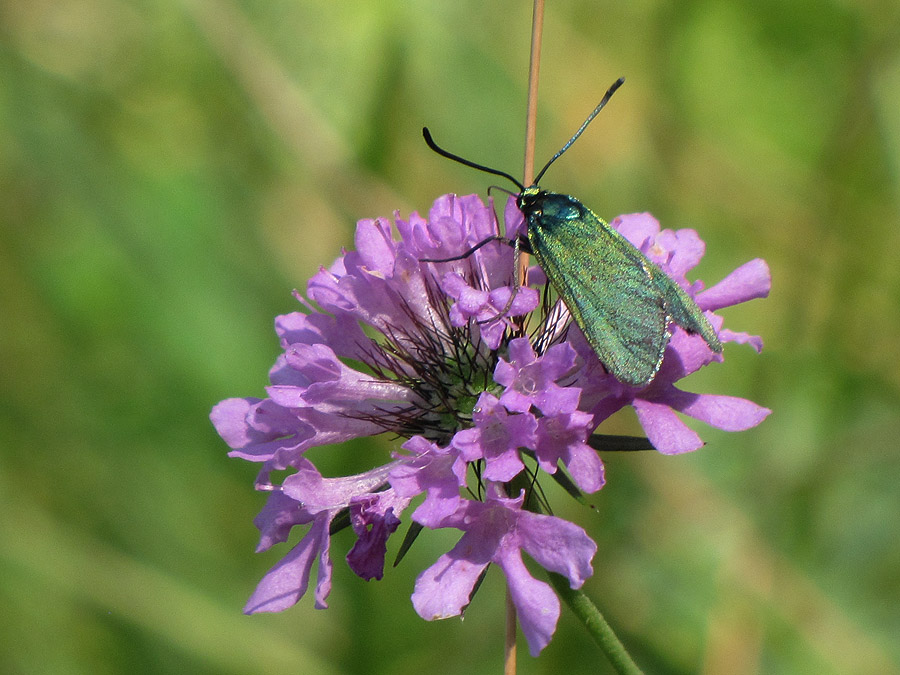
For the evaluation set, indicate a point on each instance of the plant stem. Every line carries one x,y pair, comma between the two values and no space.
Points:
580,604
534,66
596,625
509,651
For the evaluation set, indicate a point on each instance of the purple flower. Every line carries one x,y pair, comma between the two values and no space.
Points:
531,380
488,390
437,472
496,531
563,438
489,309
307,497
496,438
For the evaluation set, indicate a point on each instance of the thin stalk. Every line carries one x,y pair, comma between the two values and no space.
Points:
534,66
596,625
509,651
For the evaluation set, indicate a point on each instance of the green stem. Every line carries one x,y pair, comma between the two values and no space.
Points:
596,625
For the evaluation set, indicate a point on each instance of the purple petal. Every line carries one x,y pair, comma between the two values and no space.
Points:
585,467
492,332
724,412
536,604
515,401
443,590
686,353
329,429
472,301
677,251
500,435
555,400
460,222
638,228
513,219
342,332
318,494
325,288
453,284
563,438
749,281
521,353
531,380
373,520
668,434
416,235
277,518
287,581
525,300
468,443
375,245
434,470
503,466
244,421
557,545
330,382
754,341
258,430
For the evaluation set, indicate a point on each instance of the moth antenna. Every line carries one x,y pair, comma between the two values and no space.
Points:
456,158
603,101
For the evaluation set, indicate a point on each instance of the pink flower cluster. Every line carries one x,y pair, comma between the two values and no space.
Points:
481,399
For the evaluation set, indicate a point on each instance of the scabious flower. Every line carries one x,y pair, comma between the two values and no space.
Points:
488,385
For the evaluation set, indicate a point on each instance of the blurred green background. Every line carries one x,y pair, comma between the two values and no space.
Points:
170,170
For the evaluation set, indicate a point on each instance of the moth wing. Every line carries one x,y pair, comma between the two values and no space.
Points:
606,283
685,312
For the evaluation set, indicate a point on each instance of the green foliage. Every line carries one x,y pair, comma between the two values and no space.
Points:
171,170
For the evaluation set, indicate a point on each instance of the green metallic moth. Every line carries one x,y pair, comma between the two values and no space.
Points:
622,301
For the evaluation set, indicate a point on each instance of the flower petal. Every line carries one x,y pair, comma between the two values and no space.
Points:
444,589
286,582
557,545
278,518
537,606
724,412
668,434
749,281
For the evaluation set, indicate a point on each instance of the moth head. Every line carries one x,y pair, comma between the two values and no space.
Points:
529,199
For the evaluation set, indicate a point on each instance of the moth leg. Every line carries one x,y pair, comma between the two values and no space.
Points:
472,250
517,245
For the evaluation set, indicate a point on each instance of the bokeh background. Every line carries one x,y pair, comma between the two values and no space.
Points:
170,170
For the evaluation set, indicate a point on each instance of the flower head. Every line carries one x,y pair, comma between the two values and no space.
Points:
487,385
